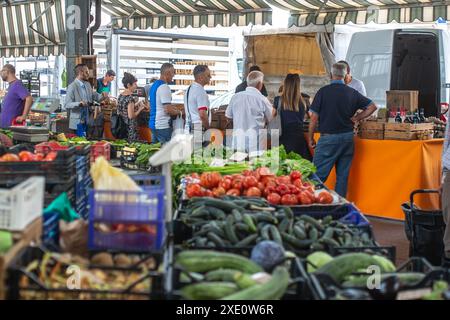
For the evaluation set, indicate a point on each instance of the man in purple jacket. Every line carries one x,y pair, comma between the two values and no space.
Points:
17,103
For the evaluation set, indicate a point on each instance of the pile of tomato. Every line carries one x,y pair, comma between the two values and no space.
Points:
286,190
26,156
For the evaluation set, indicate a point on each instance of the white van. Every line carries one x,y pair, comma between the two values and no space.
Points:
403,59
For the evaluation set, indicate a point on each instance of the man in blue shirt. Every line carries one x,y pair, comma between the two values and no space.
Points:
104,84
334,108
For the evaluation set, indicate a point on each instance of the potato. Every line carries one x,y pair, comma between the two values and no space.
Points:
103,259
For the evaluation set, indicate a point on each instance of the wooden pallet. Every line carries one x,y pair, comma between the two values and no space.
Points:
408,131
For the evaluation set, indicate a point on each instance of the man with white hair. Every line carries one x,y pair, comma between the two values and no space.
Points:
250,111
334,108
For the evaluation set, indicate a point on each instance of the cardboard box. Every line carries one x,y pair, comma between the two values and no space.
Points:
408,100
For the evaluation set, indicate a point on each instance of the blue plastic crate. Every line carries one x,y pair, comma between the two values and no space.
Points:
50,229
354,217
81,207
142,210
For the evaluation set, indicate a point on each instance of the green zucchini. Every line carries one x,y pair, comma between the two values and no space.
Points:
226,275
208,290
244,280
207,260
405,278
271,290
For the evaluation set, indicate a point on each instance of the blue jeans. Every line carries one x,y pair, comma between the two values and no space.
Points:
331,150
162,135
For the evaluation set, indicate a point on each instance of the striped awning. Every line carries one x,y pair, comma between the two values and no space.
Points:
144,14
305,12
32,28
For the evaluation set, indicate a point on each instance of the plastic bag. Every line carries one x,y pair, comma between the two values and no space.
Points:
74,237
106,177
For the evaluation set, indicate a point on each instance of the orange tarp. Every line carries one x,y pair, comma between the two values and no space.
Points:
384,172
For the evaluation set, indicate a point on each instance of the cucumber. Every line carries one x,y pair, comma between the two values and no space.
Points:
327,219
267,217
275,235
329,232
201,242
217,213
247,241
208,290
289,213
200,212
229,230
227,206
226,275
265,232
271,290
317,246
216,239
346,264
299,244
240,226
284,225
312,222
329,242
313,234
405,278
236,215
248,220
299,232
207,260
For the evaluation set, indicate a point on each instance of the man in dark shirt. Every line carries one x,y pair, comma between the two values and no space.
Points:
334,107
243,85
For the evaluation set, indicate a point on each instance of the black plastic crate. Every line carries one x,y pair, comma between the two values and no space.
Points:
299,287
326,288
22,283
52,191
61,170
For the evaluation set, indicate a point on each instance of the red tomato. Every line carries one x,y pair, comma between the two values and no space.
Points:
10,157
204,180
256,175
246,173
304,198
296,175
298,183
39,157
268,179
289,200
214,179
263,171
51,156
234,192
274,198
207,193
226,184
237,176
253,192
260,186
283,189
195,175
27,156
283,180
194,190
237,184
269,190
325,197
219,192
145,228
293,189
249,182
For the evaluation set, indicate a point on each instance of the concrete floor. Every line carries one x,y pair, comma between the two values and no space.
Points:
391,233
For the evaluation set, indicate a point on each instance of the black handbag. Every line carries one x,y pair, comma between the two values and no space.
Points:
119,127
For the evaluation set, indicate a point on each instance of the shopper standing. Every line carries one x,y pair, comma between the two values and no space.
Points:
127,107
243,85
334,108
104,84
17,103
160,97
352,82
250,112
78,99
292,109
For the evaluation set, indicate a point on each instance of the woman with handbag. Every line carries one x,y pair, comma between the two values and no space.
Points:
291,108
128,109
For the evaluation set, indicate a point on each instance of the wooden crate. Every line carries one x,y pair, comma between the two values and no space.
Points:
372,125
406,99
21,239
371,134
408,131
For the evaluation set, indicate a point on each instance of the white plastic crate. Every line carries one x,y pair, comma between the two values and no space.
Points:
20,205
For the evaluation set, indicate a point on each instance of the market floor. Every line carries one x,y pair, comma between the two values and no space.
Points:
391,233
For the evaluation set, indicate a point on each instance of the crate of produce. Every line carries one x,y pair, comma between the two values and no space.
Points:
128,220
101,149
409,131
21,204
416,279
214,223
238,274
38,274
371,130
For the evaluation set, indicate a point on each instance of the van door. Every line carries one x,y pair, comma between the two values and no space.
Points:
444,49
370,59
416,65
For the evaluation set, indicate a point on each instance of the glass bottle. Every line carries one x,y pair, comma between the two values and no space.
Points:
422,115
416,118
398,118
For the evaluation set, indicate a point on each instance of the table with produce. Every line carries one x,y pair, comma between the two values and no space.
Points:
240,230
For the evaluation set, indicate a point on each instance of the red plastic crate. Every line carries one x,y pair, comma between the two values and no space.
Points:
101,148
46,147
